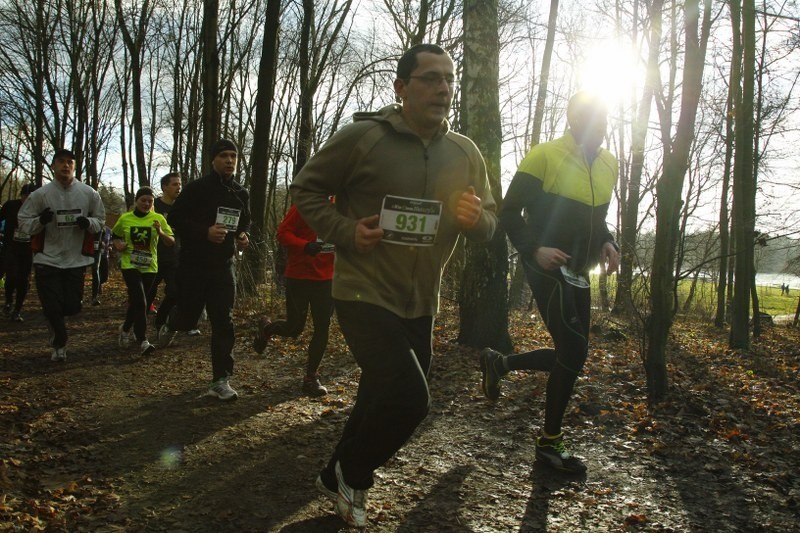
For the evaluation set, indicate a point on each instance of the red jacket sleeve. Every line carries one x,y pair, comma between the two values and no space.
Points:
294,234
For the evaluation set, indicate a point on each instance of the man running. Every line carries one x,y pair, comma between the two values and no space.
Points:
564,187
58,217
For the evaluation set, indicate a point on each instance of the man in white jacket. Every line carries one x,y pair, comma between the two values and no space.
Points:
58,216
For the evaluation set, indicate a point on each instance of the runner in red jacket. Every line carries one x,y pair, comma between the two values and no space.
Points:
309,270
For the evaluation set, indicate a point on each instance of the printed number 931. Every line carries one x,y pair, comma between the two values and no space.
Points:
410,223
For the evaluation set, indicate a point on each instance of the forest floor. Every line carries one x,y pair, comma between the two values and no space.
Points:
110,441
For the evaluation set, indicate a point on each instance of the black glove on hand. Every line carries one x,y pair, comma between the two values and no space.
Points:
46,216
313,248
83,222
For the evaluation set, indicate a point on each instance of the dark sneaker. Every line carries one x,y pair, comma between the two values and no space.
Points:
554,453
312,386
351,504
222,389
262,336
95,301
328,487
166,336
16,316
7,310
490,375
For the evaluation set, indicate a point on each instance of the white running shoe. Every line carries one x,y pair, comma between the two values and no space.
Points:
331,494
222,389
59,354
124,337
147,348
351,504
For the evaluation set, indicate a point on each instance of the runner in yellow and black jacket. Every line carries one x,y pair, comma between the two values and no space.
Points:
554,214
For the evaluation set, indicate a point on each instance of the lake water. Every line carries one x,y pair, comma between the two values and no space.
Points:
776,280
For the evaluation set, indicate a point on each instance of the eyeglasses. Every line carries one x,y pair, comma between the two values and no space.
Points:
432,79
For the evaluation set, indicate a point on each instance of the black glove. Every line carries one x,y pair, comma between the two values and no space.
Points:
83,222
46,216
313,248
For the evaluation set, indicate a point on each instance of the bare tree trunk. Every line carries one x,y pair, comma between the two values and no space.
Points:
210,80
757,325
544,73
307,90
40,60
630,208
483,294
692,290
135,45
519,294
744,186
669,190
602,282
724,217
122,88
261,137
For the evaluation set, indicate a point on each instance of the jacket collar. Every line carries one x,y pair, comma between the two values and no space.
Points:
392,115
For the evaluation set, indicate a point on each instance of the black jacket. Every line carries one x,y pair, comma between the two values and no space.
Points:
197,208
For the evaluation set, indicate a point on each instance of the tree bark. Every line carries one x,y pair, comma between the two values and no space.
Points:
668,191
135,45
520,292
483,294
257,258
544,73
744,186
724,216
630,207
210,81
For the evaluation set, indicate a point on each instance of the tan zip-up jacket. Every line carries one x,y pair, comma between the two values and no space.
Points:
379,155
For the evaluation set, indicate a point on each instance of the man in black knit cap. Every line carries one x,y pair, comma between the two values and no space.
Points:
211,217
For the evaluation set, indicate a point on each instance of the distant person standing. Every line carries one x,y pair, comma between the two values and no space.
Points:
136,236
211,217
171,186
554,213
17,255
309,270
58,217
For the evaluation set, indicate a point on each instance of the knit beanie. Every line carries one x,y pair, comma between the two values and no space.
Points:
62,152
221,146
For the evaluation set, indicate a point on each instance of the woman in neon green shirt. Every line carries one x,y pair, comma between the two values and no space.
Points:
136,235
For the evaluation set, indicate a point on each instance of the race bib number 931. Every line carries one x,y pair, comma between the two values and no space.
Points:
410,221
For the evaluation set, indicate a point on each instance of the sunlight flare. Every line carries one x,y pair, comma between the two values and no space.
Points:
610,70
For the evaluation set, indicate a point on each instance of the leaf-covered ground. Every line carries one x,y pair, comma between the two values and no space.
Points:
109,441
